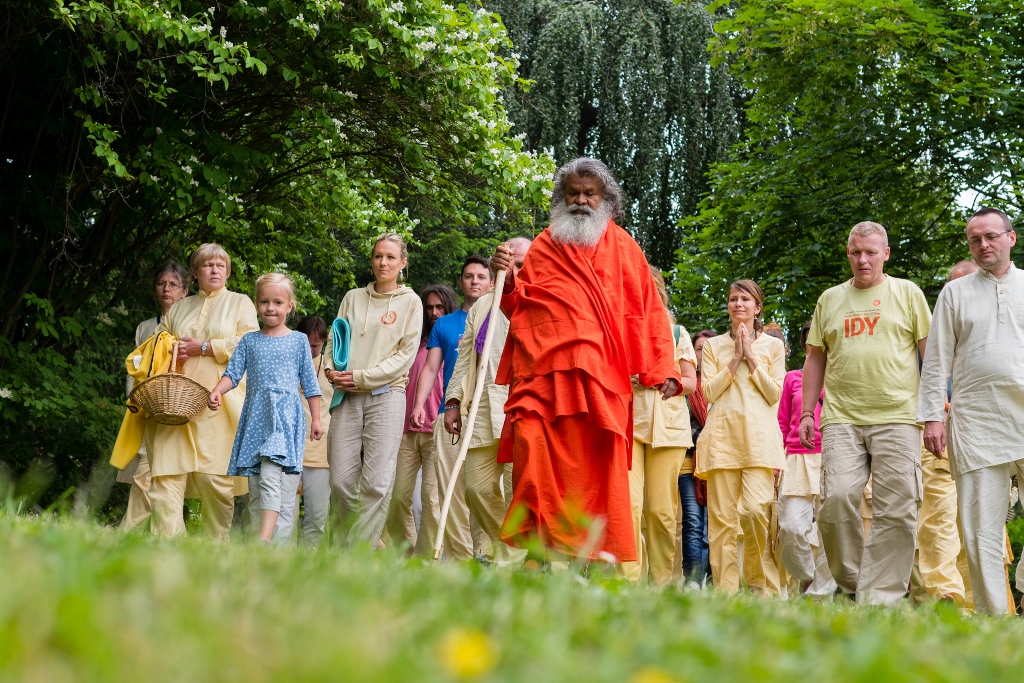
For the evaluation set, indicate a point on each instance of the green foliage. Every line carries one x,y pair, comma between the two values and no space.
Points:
895,111
84,603
290,131
629,83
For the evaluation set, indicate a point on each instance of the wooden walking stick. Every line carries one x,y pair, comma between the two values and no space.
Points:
467,427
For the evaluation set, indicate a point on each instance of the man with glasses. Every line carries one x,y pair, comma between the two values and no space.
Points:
978,338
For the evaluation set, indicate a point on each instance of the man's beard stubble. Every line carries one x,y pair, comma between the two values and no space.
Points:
579,224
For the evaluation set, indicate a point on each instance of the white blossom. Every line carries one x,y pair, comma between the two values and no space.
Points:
300,18
159,130
195,183
104,318
228,44
397,6
211,10
6,393
315,27
187,169
263,10
427,45
349,93
193,159
455,139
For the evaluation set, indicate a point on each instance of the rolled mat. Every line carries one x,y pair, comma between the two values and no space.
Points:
342,342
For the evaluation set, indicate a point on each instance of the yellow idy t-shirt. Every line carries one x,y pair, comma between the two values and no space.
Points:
870,338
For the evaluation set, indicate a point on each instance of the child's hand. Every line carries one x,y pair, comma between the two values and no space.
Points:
317,431
214,401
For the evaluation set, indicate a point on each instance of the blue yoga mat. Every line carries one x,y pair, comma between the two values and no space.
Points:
342,342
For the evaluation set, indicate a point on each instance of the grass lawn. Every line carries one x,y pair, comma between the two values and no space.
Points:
79,602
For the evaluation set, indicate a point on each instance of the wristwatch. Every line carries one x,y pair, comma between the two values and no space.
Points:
202,351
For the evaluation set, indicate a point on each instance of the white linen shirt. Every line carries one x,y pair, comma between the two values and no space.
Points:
977,335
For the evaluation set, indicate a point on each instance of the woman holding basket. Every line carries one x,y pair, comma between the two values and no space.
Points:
208,326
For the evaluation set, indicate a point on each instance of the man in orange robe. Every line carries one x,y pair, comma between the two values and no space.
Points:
584,317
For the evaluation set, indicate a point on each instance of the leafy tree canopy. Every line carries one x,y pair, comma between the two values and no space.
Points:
897,111
290,131
628,82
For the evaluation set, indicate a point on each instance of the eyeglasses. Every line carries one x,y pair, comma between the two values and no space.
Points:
989,238
164,284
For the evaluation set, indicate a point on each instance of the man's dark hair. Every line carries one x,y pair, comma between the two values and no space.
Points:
449,300
989,210
313,324
477,259
704,334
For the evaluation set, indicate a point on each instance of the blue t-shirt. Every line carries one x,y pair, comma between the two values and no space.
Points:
446,335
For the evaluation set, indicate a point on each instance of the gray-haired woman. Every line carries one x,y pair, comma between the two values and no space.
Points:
170,284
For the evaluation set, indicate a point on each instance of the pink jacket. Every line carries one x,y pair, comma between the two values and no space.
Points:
790,407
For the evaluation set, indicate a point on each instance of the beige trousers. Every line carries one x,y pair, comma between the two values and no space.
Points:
417,451
488,501
741,499
935,573
654,499
362,446
876,571
800,548
167,495
459,542
139,507
983,497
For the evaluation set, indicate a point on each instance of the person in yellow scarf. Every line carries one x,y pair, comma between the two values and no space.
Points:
170,284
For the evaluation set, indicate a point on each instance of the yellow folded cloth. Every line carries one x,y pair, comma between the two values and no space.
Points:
153,357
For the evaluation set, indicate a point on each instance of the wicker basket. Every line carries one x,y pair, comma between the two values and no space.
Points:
171,398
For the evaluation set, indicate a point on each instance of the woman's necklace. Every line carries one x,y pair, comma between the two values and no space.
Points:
753,336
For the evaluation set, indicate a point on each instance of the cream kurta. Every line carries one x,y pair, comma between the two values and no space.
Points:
977,336
316,451
743,424
204,444
664,423
491,415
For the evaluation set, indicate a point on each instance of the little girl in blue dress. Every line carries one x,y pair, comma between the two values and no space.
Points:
270,441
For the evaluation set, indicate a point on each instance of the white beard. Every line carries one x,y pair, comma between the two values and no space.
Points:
578,224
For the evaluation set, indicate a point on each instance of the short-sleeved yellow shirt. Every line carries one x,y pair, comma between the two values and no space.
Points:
870,338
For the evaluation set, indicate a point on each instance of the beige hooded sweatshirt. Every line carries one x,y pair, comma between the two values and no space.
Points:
386,332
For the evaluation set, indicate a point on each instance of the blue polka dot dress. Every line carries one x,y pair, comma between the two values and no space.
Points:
273,424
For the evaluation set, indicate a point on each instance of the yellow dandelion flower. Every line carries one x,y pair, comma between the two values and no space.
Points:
652,674
467,653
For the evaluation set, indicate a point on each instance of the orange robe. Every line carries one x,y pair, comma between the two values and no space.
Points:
581,323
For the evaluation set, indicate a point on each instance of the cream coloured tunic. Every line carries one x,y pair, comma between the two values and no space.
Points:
743,423
204,444
316,451
664,424
977,335
490,418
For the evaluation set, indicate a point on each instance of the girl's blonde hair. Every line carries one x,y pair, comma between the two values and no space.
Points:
209,252
275,280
